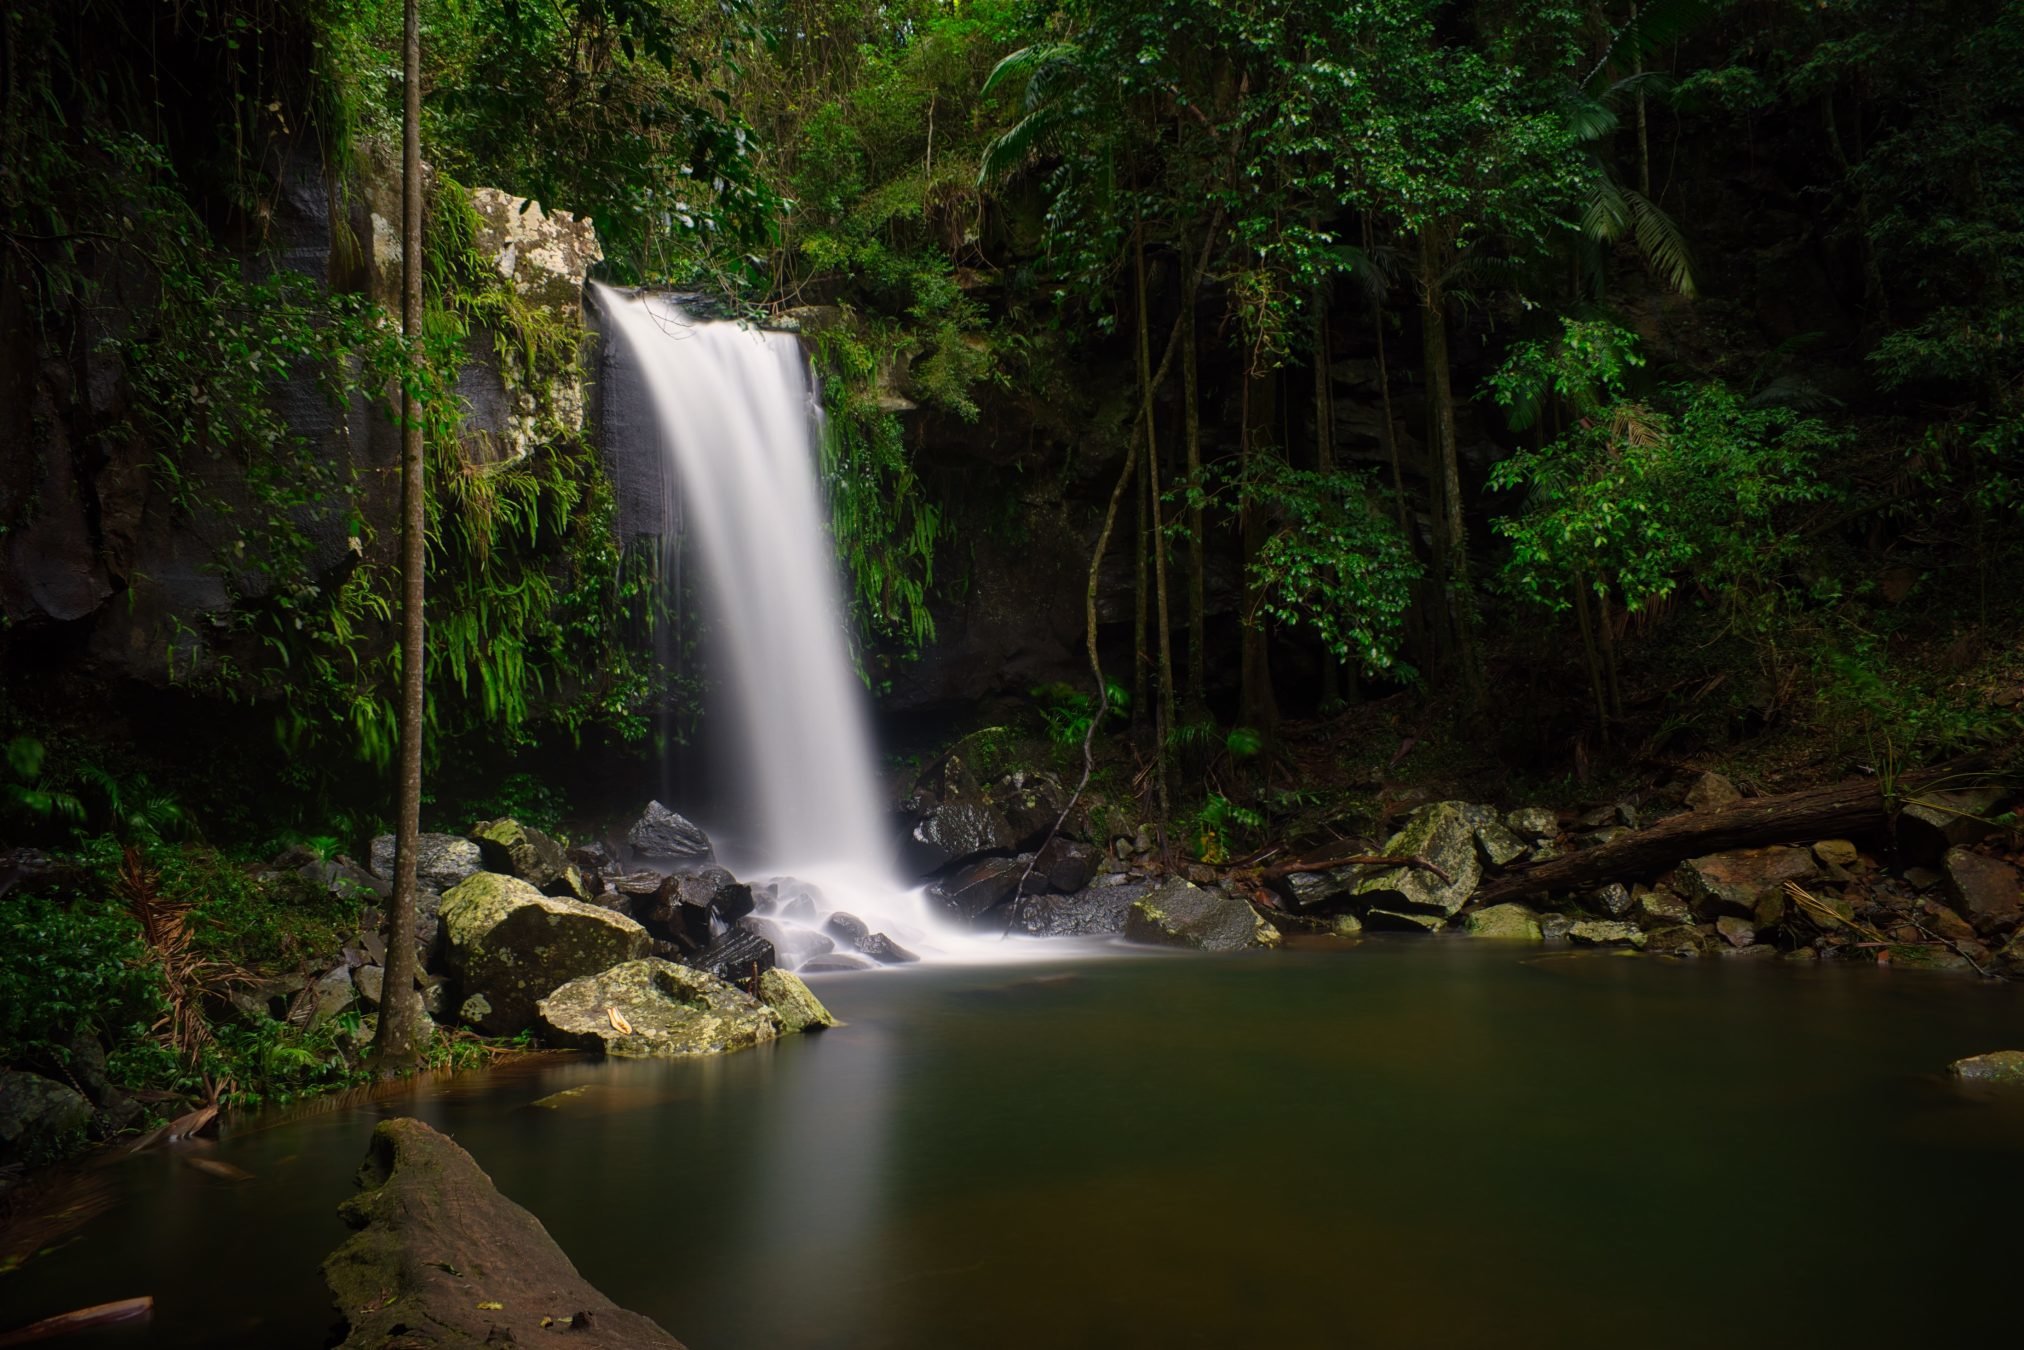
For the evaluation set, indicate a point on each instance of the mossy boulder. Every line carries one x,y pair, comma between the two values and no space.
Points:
40,1118
1443,834
793,1002
1182,914
508,945
1605,933
1513,922
1998,1066
439,1258
521,851
655,1009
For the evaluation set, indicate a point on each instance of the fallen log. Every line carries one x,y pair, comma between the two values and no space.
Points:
1852,807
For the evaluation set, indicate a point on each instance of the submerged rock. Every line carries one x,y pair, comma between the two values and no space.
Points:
519,850
1181,914
1998,1066
654,1009
665,836
793,1002
1503,921
509,945
441,860
441,1259
1605,933
1443,834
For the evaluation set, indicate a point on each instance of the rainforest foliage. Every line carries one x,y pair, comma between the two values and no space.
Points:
1392,344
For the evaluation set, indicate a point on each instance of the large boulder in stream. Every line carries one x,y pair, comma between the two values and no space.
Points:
655,1009
793,1002
508,945
665,836
440,1259
441,860
1748,883
1443,834
1181,914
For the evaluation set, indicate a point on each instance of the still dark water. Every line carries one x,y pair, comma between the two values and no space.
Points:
1440,1143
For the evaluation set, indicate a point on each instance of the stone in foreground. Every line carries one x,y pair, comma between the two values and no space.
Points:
1514,922
1605,933
1998,1066
654,1009
793,1002
1443,834
441,1259
1182,914
508,945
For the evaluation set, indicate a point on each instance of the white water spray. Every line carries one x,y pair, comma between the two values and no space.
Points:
740,421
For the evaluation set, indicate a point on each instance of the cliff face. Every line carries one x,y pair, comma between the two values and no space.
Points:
120,556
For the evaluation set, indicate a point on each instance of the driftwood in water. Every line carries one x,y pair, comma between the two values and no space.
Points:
1852,807
84,1319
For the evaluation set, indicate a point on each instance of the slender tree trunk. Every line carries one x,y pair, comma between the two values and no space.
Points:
1608,626
1259,710
397,1046
1141,660
1163,724
1198,607
1421,651
1644,143
1589,658
1324,462
1454,541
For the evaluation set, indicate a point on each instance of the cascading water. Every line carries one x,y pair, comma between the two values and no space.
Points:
738,418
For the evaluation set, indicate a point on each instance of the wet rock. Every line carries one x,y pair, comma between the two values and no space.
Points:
510,945
793,945
1514,922
1923,956
1998,1066
1836,853
1555,927
441,860
1534,823
571,883
1985,890
1181,914
1067,865
1739,882
1498,845
1616,814
519,851
1944,923
40,1119
1604,933
1660,908
592,857
1345,926
739,957
439,1258
691,908
1612,901
962,828
838,962
1680,940
793,1003
1734,931
852,932
665,836
1443,834
973,891
1098,911
1937,821
1712,792
664,1011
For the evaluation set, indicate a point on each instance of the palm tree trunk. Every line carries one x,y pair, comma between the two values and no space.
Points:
1259,710
396,1047
1163,723
1324,462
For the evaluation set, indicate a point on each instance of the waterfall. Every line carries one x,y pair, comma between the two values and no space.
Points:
737,415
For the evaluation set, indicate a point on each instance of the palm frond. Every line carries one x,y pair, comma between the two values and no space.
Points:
1026,139
1591,119
1662,242
1027,63
1606,217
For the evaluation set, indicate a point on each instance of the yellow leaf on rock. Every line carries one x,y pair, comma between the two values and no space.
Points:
618,1022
